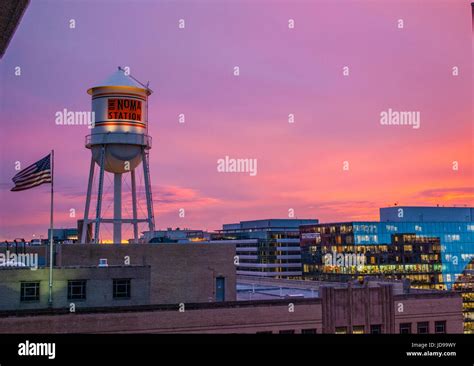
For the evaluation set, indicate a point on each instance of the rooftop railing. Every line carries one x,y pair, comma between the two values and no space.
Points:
125,138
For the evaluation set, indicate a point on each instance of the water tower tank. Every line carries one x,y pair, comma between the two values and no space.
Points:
119,142
121,122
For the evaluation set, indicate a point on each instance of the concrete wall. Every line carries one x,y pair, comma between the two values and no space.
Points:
180,273
98,289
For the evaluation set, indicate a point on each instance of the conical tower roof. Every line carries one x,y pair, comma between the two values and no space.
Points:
119,78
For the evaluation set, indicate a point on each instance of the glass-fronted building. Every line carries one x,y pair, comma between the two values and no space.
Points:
465,285
431,246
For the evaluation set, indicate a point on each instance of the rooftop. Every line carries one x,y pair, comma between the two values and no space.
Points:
426,214
268,223
253,288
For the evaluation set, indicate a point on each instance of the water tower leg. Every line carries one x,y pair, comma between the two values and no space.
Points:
99,195
134,207
88,203
117,208
149,199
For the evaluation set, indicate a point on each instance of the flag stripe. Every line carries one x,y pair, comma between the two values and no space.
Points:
46,180
32,180
25,172
20,180
37,183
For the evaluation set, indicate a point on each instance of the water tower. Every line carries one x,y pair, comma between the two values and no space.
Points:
119,142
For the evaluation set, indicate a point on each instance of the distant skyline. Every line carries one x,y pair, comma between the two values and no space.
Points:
282,71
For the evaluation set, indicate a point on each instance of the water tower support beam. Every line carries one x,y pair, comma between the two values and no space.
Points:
134,206
117,208
99,194
149,199
88,203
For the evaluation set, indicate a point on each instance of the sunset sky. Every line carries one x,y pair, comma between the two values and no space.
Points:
282,71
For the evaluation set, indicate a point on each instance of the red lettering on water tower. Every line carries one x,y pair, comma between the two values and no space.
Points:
129,109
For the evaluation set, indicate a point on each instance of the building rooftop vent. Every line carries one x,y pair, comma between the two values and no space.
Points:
103,262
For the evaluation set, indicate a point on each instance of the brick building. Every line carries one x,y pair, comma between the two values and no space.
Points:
368,308
193,289
178,272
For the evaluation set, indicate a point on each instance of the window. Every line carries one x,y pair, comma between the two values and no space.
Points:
103,262
287,331
376,329
440,327
121,288
358,329
30,291
309,331
423,328
220,289
76,290
341,330
405,328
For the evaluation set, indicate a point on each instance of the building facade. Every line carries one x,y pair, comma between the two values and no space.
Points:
178,273
74,287
431,254
465,286
329,250
269,248
182,236
369,308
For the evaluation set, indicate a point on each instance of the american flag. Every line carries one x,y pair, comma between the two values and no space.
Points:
34,175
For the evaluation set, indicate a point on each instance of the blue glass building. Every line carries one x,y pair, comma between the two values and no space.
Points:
431,246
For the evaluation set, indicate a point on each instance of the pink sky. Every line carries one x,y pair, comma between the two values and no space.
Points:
283,71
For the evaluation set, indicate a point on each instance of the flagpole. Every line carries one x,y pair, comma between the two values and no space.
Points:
51,240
